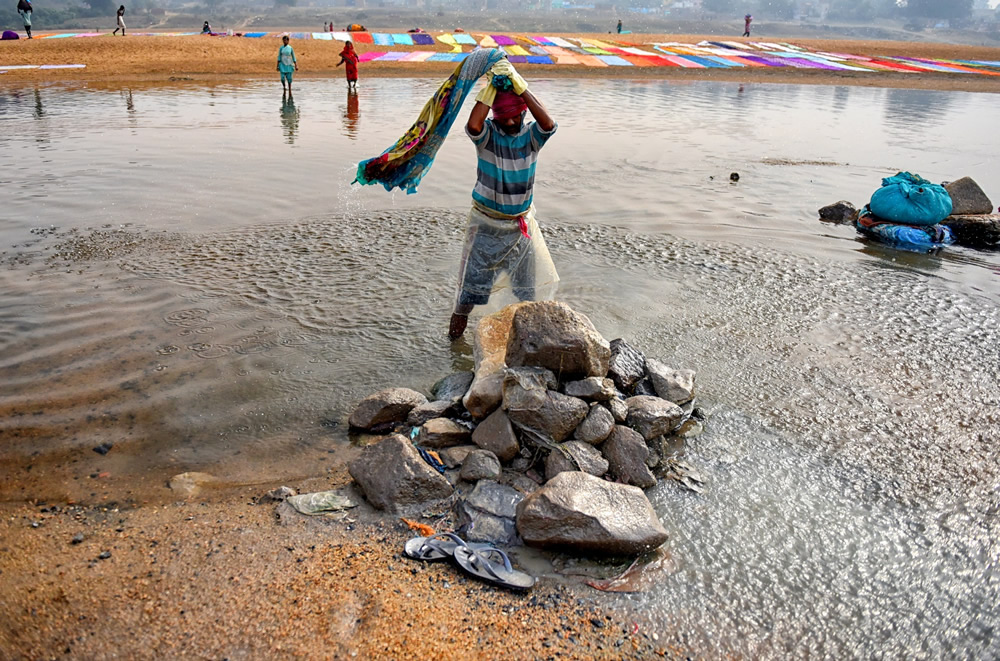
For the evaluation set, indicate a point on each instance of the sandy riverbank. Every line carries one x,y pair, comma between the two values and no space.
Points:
147,58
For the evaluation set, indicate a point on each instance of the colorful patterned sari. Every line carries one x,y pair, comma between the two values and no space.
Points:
406,162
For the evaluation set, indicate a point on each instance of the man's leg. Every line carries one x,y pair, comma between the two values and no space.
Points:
459,320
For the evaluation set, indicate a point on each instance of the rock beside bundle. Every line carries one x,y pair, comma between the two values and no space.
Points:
550,440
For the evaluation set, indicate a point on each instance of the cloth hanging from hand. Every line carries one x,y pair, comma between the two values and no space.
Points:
406,162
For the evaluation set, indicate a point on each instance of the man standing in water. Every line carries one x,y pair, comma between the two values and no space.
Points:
25,10
286,64
502,234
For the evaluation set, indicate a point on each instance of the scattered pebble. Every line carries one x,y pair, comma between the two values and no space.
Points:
77,538
104,448
104,555
734,176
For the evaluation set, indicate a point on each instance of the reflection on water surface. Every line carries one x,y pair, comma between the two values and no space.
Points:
188,274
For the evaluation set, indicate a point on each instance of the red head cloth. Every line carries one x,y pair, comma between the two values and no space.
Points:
507,105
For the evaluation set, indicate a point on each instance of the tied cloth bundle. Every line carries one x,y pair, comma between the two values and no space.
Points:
406,162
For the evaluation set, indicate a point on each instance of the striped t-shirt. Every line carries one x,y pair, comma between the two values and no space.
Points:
506,172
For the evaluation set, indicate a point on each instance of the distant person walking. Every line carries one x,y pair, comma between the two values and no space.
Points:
619,26
121,20
747,20
286,64
349,57
25,10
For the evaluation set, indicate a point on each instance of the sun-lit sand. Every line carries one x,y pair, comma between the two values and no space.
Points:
150,58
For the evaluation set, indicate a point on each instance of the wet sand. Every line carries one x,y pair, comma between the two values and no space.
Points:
149,58
220,575
225,578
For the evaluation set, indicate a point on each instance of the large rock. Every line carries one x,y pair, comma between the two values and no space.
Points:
437,409
581,457
839,212
627,452
552,335
489,351
496,434
544,411
392,475
618,408
967,197
652,416
443,433
454,456
975,231
488,513
596,427
453,387
583,513
480,465
593,388
627,365
671,384
385,407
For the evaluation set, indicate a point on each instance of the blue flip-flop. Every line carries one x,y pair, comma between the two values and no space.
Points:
439,546
492,565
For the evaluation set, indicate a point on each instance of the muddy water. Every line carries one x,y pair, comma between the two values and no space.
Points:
188,274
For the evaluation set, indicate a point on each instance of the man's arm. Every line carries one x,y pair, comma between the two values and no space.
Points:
537,110
478,118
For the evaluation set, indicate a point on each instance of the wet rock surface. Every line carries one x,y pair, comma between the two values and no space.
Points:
385,407
967,198
839,212
586,514
552,335
392,475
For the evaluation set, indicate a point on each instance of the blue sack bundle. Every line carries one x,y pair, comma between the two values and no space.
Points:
911,200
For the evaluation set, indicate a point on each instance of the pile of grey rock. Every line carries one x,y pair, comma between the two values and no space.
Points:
549,442
972,221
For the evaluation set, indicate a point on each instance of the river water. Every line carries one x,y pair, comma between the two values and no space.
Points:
188,274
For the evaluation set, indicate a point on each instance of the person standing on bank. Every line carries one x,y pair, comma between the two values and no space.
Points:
349,57
287,64
619,26
25,10
502,235
121,20
747,20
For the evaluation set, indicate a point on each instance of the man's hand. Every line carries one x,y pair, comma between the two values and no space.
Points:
505,68
487,94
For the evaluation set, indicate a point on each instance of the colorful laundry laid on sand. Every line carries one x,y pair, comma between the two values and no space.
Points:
406,162
555,50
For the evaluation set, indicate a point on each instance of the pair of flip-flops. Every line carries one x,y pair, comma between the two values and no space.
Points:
484,561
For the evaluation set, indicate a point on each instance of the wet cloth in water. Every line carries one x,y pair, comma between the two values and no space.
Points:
504,253
406,162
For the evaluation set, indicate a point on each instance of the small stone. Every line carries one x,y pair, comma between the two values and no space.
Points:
279,494
839,212
77,538
734,176
104,448
104,555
